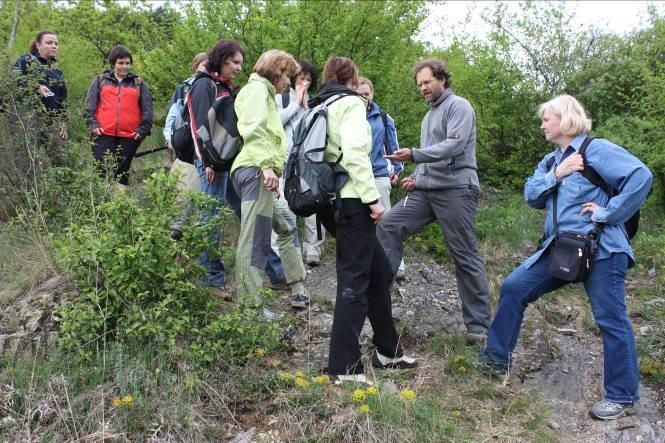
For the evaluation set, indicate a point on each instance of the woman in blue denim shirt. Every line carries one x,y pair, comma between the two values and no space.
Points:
580,205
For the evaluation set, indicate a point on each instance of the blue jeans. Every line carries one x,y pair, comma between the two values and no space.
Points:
217,190
274,267
605,289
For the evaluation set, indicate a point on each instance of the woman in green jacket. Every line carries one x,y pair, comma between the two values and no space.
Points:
364,274
255,176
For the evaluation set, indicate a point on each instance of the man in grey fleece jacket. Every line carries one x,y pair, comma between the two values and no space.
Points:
445,188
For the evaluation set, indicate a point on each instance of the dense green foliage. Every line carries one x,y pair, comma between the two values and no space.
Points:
525,60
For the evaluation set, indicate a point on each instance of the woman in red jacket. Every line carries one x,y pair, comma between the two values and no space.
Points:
119,114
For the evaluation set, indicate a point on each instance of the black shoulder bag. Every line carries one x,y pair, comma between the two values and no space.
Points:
571,252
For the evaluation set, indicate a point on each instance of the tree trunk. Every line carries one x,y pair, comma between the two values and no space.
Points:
12,36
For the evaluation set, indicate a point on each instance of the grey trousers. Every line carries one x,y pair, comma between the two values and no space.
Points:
455,210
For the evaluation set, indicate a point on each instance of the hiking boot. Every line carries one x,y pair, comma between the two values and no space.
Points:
486,365
476,337
221,294
610,410
355,378
279,285
300,300
400,276
312,260
382,362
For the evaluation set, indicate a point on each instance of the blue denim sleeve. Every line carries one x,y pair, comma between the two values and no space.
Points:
624,172
540,185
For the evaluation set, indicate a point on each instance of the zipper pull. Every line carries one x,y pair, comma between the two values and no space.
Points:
579,252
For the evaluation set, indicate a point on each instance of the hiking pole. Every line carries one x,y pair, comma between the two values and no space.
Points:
141,154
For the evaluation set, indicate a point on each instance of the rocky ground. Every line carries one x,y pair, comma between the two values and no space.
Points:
560,359
562,363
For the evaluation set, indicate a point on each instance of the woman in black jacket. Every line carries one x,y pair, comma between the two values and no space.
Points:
43,95
224,63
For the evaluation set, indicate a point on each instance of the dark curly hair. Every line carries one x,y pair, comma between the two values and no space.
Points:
438,68
307,67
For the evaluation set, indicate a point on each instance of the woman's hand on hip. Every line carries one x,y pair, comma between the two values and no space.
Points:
589,207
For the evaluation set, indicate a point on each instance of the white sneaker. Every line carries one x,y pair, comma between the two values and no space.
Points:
357,378
382,362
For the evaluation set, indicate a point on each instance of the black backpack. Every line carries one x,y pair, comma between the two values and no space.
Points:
310,182
219,140
632,224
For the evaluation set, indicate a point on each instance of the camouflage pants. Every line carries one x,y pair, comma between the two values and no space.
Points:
261,213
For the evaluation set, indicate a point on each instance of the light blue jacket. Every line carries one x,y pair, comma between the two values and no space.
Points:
380,166
618,168
175,107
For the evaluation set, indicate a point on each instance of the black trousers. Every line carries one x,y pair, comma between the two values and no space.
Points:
116,154
364,277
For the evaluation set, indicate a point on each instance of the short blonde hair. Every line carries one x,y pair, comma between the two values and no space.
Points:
273,63
366,81
573,117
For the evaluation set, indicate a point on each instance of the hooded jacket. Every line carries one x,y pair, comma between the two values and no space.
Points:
119,108
349,134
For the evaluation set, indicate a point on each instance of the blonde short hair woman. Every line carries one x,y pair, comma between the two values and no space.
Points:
255,177
558,184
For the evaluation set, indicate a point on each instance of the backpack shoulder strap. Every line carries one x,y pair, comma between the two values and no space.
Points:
590,173
329,101
384,119
286,98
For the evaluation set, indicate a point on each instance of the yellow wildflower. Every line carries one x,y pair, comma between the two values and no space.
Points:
300,374
458,359
127,400
358,395
260,352
321,379
364,409
456,413
302,383
462,369
408,395
286,376
372,390
117,402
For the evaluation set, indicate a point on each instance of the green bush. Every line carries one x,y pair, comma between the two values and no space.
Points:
140,287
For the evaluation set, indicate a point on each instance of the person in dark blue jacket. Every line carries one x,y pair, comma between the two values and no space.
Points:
39,75
384,142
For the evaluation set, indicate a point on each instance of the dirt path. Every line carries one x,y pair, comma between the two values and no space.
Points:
562,363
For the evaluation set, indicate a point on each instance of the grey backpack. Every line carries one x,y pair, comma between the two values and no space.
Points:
310,182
